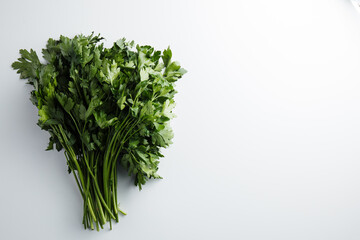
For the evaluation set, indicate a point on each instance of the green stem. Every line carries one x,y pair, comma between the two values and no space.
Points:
106,165
91,210
76,178
102,216
71,151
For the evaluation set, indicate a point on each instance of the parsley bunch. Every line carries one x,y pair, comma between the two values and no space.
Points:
103,106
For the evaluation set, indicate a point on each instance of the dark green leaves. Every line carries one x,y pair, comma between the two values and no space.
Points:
27,65
66,102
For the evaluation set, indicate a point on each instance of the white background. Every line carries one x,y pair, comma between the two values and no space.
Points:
267,138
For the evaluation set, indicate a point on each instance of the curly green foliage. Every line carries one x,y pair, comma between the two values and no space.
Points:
103,106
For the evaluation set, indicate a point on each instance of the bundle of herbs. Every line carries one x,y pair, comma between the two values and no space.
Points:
103,106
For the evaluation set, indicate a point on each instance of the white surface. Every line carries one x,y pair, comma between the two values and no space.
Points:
356,4
267,138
